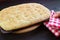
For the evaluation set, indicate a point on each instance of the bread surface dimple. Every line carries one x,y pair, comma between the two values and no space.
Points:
23,15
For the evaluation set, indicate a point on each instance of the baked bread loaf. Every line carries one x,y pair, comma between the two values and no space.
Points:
27,29
23,15
24,30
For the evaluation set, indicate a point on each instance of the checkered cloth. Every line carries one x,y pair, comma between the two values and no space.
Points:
53,24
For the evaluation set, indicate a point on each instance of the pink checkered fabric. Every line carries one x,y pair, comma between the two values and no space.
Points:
53,24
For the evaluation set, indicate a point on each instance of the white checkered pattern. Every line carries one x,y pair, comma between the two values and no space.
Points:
53,24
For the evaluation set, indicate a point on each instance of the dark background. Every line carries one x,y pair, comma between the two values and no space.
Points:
41,33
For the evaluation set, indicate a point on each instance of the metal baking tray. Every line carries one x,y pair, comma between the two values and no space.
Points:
41,33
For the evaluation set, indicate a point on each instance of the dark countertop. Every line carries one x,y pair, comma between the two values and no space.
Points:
41,33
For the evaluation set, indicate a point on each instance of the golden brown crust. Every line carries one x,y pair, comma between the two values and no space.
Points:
22,15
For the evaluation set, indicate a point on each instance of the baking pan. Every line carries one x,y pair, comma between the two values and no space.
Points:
41,33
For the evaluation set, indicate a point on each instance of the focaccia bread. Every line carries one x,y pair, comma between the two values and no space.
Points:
27,29
23,15
24,30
